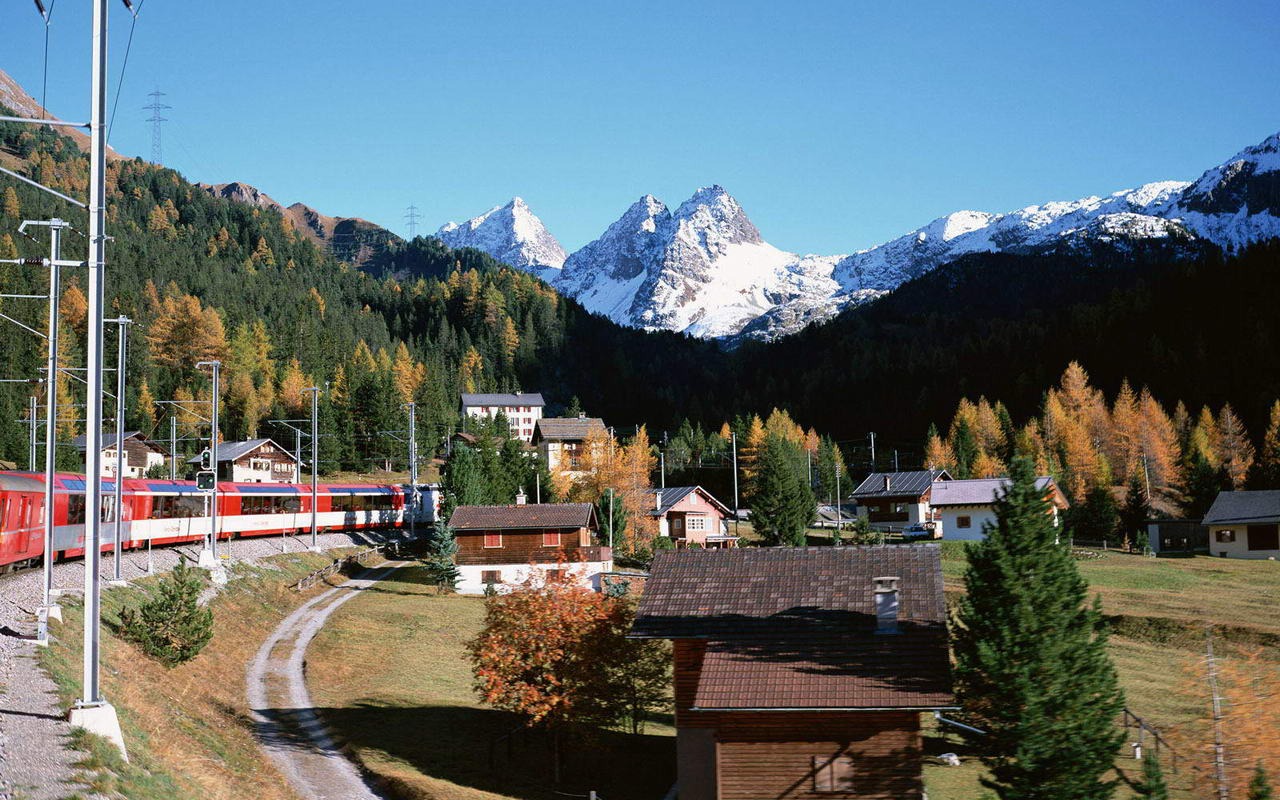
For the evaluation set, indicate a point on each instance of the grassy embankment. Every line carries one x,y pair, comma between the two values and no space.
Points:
391,674
187,728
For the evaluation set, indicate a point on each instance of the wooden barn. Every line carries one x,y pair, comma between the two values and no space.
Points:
504,545
801,672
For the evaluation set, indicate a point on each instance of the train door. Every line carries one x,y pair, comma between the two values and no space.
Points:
26,523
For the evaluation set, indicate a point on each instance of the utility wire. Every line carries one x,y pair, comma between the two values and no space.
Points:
123,66
44,82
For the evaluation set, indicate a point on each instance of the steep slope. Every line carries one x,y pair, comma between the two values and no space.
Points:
513,234
23,104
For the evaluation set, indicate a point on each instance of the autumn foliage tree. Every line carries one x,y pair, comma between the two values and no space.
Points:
556,654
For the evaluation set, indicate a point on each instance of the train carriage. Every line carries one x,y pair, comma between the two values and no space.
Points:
164,512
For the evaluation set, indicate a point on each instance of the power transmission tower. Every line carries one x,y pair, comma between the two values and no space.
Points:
411,217
155,108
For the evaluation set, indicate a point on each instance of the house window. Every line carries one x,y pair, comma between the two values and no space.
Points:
696,523
550,538
493,540
833,774
964,522
1264,537
899,508
260,464
1224,536
491,577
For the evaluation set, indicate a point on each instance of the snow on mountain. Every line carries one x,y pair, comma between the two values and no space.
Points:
705,269
512,234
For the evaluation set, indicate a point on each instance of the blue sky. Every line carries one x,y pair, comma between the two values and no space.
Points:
838,125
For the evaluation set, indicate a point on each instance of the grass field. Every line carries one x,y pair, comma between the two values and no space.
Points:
187,728
390,675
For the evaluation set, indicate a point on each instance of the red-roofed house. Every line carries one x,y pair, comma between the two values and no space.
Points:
503,545
801,672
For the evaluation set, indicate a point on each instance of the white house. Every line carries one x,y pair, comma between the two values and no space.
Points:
140,454
1245,524
521,410
964,508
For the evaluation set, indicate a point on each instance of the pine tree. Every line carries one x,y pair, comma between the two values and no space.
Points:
1096,518
1267,469
1259,786
172,626
782,504
464,481
1031,660
965,447
442,547
1136,509
1152,785
610,510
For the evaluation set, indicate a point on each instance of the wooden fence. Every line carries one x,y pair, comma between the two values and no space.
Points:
340,564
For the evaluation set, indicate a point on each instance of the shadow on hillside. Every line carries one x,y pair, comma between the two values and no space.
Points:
489,750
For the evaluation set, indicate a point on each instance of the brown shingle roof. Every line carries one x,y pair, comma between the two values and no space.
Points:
567,429
791,628
533,515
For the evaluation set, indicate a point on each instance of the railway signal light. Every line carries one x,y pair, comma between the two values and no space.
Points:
206,460
205,481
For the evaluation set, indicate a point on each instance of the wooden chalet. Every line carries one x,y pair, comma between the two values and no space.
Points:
897,499
801,672
560,441
505,545
139,454
254,461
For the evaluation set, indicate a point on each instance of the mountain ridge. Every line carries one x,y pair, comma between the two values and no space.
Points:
705,269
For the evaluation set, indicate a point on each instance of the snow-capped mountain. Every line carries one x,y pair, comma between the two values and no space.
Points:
512,234
706,270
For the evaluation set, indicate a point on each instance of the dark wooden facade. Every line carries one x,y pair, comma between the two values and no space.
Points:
748,755
527,546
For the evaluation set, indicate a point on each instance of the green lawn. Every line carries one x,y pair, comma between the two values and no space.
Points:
390,674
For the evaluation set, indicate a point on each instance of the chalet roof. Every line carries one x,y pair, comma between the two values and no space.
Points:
794,628
899,484
1238,508
979,491
234,451
109,440
567,429
529,515
502,399
674,494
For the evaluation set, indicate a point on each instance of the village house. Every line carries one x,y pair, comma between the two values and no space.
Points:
963,508
521,410
140,454
801,672
560,441
254,461
898,499
501,546
1245,524
690,515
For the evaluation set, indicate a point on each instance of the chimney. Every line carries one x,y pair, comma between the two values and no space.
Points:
885,593
657,499
521,497
888,482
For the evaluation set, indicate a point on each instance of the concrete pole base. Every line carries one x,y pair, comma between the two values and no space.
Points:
53,612
207,560
117,584
218,574
55,593
316,549
100,719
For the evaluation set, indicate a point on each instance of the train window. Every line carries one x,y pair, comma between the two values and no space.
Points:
189,506
109,509
75,509
290,505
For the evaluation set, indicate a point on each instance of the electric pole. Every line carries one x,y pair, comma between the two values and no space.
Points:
122,348
411,217
733,438
155,107
51,416
315,460
413,467
211,560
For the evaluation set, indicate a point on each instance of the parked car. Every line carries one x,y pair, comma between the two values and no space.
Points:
917,530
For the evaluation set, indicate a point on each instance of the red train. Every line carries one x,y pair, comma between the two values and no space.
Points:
173,512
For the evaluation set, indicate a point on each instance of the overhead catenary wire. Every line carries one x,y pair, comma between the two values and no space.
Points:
124,65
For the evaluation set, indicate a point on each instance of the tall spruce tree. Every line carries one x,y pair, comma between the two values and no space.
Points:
1259,786
782,504
464,481
1152,785
1136,509
1031,659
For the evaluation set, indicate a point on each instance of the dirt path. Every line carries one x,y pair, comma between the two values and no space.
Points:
287,725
